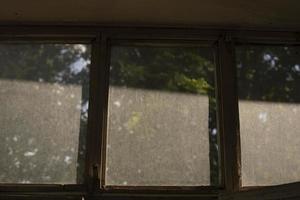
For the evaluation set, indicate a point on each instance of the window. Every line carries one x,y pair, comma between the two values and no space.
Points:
44,103
144,113
269,85
162,117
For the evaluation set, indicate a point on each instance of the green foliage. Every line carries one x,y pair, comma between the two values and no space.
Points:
184,83
269,73
173,69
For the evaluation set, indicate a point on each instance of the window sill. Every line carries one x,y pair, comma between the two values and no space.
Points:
288,191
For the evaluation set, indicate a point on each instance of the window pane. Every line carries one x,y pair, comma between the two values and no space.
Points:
162,121
269,109
43,106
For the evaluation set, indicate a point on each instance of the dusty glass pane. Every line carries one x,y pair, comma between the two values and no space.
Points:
269,109
43,106
162,122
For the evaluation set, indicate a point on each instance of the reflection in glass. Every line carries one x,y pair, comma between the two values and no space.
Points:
43,106
161,123
269,109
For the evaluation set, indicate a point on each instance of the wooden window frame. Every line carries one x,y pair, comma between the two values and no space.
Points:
100,38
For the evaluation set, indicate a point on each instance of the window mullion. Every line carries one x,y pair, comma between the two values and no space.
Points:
228,114
94,133
104,77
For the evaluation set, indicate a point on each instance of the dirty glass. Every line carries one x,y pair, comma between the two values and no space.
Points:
43,106
269,110
161,117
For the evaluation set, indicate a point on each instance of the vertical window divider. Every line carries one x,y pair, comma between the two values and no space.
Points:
228,113
104,61
94,134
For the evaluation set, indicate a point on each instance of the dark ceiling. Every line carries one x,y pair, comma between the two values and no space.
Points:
245,13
